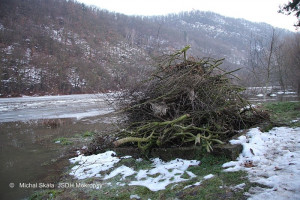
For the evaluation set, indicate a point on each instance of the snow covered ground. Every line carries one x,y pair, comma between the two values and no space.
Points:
157,178
271,159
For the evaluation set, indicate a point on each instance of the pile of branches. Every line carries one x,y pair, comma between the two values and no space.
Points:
186,102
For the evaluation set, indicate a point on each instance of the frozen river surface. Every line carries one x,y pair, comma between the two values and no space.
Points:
28,153
48,107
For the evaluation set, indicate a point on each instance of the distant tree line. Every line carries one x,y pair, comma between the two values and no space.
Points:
60,46
273,61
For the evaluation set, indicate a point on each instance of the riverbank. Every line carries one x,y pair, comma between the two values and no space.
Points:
37,151
204,180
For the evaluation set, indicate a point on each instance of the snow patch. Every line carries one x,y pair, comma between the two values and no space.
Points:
242,139
271,159
165,172
74,78
195,184
134,196
209,176
157,178
28,54
239,187
124,170
91,166
8,50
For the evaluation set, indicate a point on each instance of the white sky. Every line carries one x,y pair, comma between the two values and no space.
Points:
252,10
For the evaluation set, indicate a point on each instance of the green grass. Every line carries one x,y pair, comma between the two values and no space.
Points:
45,194
63,141
209,165
284,112
136,165
218,187
221,186
88,134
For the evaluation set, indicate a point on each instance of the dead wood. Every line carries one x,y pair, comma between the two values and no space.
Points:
186,102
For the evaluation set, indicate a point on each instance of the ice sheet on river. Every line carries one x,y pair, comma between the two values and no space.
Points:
48,107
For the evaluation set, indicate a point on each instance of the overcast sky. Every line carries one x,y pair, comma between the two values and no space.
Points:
253,10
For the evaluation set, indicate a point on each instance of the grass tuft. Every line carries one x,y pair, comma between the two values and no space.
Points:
63,141
284,112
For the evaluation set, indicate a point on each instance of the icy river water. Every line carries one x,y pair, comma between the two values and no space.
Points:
30,125
28,129
49,107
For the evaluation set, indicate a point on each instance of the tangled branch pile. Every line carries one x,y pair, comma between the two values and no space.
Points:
186,102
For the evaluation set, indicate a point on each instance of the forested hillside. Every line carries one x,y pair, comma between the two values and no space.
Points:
64,47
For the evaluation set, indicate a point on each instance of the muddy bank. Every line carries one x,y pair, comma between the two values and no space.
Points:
30,152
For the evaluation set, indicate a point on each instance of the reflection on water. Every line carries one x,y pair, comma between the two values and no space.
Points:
29,155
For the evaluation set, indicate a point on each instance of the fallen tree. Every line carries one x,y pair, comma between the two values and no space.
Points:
185,102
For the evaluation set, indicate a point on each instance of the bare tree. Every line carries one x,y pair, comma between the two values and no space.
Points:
281,65
262,60
293,60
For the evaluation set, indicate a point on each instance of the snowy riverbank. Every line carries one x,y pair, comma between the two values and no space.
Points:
271,159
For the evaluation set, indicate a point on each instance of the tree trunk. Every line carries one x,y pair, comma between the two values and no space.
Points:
298,89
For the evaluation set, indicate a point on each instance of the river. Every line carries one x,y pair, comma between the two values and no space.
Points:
49,107
28,129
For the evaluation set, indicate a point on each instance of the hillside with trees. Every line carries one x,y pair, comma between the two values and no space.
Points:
64,47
